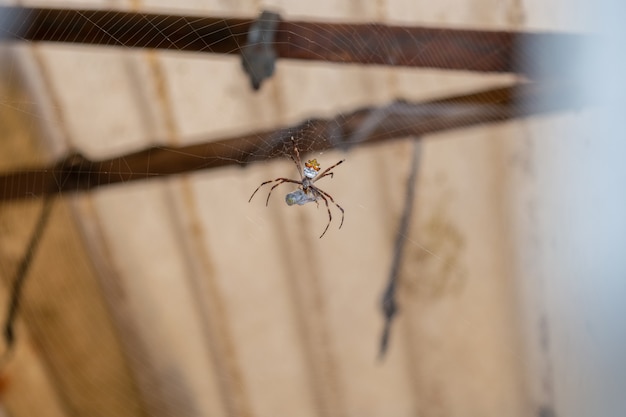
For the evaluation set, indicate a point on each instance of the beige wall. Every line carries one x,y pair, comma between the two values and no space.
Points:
177,297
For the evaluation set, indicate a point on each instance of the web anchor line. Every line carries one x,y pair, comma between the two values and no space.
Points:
389,305
17,286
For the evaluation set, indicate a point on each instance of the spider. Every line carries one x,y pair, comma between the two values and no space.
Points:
306,192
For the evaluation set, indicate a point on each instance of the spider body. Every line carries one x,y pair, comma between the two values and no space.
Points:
306,192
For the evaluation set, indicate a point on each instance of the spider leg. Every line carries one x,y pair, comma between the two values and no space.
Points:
279,180
296,159
258,188
325,194
330,216
327,172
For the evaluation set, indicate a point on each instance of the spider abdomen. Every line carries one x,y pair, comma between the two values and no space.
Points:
311,168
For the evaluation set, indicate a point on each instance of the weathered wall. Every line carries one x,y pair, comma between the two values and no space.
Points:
221,307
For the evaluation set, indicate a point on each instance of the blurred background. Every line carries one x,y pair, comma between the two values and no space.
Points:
174,296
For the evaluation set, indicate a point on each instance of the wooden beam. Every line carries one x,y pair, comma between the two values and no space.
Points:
363,126
346,43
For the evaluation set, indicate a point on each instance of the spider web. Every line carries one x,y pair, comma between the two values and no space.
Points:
87,104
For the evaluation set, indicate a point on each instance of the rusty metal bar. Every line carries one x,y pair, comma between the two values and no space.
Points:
363,126
371,44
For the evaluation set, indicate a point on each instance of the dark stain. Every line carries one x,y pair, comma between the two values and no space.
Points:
437,256
546,411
